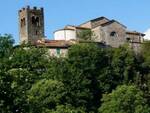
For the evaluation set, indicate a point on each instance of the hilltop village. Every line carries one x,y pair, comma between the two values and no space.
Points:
107,32
88,68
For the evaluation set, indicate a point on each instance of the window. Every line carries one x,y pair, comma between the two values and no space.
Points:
23,22
128,39
36,32
113,34
58,51
35,21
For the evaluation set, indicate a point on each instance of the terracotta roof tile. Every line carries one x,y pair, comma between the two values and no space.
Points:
54,43
76,27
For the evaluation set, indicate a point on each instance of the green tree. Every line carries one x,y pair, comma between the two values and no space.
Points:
6,45
6,100
19,69
145,52
79,72
123,64
125,99
146,56
33,59
86,35
89,71
85,62
45,94
144,79
22,81
66,109
32,82
6,49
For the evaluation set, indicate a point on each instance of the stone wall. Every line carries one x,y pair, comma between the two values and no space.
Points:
134,38
35,30
58,52
22,25
99,34
31,24
114,34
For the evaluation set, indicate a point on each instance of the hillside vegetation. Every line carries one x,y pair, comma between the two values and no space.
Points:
89,80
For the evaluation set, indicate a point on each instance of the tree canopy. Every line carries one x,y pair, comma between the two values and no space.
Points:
125,99
90,79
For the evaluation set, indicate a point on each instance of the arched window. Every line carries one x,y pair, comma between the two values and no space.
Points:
35,21
23,22
113,34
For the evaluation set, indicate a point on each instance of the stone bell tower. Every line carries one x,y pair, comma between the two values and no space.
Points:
31,24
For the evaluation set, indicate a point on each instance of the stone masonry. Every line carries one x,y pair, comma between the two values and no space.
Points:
31,24
110,33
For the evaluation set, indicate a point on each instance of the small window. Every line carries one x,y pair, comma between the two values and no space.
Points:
128,39
23,22
33,19
113,34
36,32
58,51
37,21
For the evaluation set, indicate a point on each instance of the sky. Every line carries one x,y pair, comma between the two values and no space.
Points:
135,14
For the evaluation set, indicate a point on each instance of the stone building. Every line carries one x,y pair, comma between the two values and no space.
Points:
112,32
31,24
56,48
108,32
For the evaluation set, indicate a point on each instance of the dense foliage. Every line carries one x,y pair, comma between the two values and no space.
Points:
125,99
89,80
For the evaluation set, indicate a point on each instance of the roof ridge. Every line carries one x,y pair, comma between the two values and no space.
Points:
112,21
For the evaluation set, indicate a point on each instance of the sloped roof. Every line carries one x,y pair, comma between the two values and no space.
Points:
76,27
135,33
54,43
112,21
96,19
99,18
